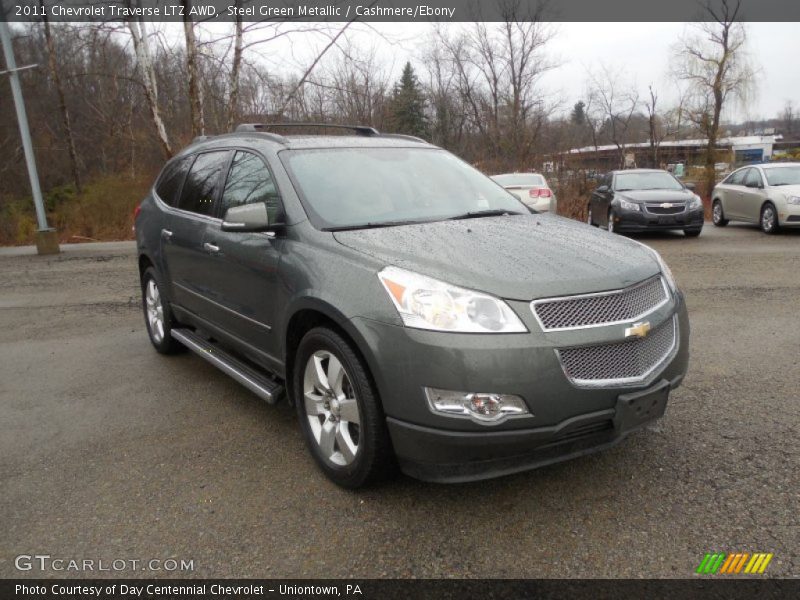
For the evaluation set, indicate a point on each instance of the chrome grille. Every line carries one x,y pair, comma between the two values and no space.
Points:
620,363
605,308
658,209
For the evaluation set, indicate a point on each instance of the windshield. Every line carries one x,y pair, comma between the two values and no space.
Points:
646,181
352,187
519,179
783,175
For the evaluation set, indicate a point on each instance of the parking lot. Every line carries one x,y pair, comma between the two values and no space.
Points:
111,451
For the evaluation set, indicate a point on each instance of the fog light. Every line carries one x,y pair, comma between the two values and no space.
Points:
485,408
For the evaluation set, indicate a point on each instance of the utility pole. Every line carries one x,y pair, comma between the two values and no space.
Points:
46,238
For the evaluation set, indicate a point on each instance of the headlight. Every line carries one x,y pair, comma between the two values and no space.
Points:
793,199
624,204
695,203
427,303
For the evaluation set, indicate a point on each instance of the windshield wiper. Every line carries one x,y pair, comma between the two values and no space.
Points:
375,225
477,214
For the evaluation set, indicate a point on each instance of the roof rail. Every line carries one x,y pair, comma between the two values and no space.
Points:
402,136
364,130
259,128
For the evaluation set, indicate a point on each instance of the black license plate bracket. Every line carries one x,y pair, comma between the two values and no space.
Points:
637,408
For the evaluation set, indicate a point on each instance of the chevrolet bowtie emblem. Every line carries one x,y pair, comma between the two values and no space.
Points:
666,205
638,330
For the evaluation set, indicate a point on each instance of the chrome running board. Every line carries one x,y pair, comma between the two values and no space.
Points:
251,378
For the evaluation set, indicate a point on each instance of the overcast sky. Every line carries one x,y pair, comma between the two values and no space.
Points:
640,50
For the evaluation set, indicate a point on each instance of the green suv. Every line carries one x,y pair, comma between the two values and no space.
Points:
414,312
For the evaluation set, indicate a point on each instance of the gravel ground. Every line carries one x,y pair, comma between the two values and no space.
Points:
111,451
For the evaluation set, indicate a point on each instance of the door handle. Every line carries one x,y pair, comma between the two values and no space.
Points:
210,248
166,234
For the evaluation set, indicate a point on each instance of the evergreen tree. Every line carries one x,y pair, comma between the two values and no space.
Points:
407,106
578,116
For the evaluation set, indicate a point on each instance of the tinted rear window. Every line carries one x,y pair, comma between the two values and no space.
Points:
200,189
519,179
169,184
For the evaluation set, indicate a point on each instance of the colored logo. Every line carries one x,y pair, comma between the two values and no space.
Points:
731,564
638,330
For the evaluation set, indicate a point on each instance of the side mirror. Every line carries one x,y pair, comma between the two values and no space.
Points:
248,217
602,189
690,186
752,184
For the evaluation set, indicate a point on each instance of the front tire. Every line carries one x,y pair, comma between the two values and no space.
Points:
692,232
717,215
158,315
339,411
769,219
611,218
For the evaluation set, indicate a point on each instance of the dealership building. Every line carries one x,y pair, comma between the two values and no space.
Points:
732,150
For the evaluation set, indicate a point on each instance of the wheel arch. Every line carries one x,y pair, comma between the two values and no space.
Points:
305,315
144,262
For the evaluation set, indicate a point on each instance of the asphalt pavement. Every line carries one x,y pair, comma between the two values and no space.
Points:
110,451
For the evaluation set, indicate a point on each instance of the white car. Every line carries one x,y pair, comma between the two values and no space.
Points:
768,195
531,188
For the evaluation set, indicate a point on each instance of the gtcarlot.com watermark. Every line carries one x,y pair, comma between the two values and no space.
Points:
45,562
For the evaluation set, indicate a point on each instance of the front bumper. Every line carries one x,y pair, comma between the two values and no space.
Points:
641,220
566,421
462,456
788,214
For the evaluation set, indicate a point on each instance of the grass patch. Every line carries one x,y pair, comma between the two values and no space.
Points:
103,211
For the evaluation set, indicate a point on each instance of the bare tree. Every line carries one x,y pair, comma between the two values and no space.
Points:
195,91
614,103
788,118
236,65
55,73
498,68
712,59
148,76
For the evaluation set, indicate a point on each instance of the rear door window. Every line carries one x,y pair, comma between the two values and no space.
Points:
169,184
753,178
737,178
249,181
201,187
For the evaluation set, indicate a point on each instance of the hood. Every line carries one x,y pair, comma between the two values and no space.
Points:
656,195
788,190
518,257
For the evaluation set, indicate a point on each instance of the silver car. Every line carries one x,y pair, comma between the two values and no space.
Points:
768,195
531,188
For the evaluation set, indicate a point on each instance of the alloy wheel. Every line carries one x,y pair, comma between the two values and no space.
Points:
716,213
155,310
768,218
331,408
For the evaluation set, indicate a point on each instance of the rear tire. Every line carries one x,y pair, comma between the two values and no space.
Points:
717,215
342,420
769,219
158,315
